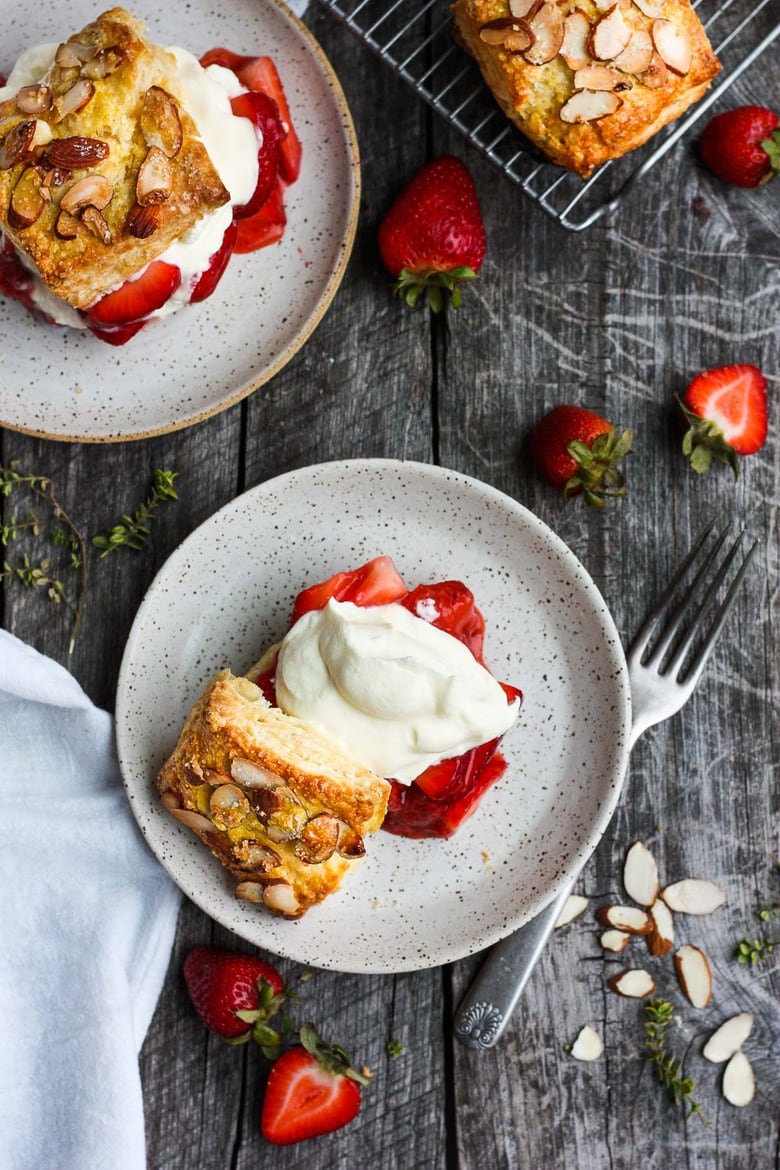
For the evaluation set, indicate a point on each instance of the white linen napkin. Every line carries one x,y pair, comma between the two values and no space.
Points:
88,918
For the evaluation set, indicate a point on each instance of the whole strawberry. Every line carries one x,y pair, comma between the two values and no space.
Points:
312,1089
433,236
235,995
578,451
726,412
742,146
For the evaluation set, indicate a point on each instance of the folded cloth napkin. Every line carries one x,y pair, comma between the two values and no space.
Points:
88,918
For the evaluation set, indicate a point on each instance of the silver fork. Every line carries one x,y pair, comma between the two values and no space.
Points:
665,662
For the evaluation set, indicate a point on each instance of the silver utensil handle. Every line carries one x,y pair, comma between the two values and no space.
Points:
488,1004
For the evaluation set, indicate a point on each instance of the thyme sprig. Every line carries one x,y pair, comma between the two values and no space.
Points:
667,1067
750,951
134,531
41,575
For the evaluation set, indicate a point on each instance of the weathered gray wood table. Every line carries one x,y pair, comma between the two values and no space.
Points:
684,277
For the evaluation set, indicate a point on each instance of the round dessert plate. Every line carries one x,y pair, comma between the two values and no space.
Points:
226,594
64,383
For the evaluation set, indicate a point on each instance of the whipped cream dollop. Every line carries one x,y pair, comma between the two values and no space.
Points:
394,690
232,145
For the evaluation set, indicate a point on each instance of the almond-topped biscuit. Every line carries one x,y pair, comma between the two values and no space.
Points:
588,80
278,803
101,168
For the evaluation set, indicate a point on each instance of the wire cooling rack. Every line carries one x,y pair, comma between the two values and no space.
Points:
414,37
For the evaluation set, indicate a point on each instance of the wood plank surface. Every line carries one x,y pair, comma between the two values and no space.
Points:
685,276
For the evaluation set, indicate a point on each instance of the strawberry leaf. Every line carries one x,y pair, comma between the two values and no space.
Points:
705,441
772,147
330,1057
432,286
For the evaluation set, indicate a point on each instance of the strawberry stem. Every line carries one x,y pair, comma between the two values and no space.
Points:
704,441
597,476
331,1057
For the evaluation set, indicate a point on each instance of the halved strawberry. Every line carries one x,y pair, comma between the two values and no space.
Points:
726,410
210,278
376,583
264,113
311,1090
137,298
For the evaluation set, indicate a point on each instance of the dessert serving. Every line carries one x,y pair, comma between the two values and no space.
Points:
588,80
375,709
129,174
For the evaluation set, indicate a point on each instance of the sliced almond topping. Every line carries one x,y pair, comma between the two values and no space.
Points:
547,29
160,121
318,839
656,75
695,975
27,202
251,892
497,32
168,799
660,940
693,896
33,99
633,984
588,1045
614,940
350,842
728,1038
574,47
103,64
739,1084
255,855
56,177
651,8
227,804
640,872
17,143
142,222
193,820
76,152
637,56
96,223
279,896
572,908
626,918
584,106
598,77
673,46
155,178
93,190
74,99
67,56
249,774
524,9
609,36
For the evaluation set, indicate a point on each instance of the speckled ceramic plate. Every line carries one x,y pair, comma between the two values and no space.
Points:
65,384
227,593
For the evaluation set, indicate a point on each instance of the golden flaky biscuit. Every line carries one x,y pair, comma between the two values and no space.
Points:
101,151
588,81
278,803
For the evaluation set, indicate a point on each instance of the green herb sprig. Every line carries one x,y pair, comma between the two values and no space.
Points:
667,1067
134,531
750,951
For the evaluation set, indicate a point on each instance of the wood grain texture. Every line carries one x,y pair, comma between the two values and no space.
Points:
685,276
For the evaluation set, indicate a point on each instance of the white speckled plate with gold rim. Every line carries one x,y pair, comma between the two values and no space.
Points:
227,593
64,383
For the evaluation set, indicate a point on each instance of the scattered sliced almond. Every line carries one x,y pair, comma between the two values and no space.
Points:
96,222
597,77
27,202
693,896
33,99
103,64
635,983
67,56
637,56
640,874
651,8
142,222
524,9
155,178
93,190
584,106
588,1045
739,1084
17,143
572,908
728,1038
279,896
547,29
574,47
695,975
660,939
656,76
160,122
614,940
627,918
318,839
74,99
610,35
673,46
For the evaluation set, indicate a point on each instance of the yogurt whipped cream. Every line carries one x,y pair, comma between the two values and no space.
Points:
397,692
232,144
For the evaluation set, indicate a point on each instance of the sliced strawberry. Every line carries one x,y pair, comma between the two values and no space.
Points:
116,334
266,226
137,298
376,583
264,113
311,1090
224,57
445,796
726,409
16,282
208,280
450,606
261,74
